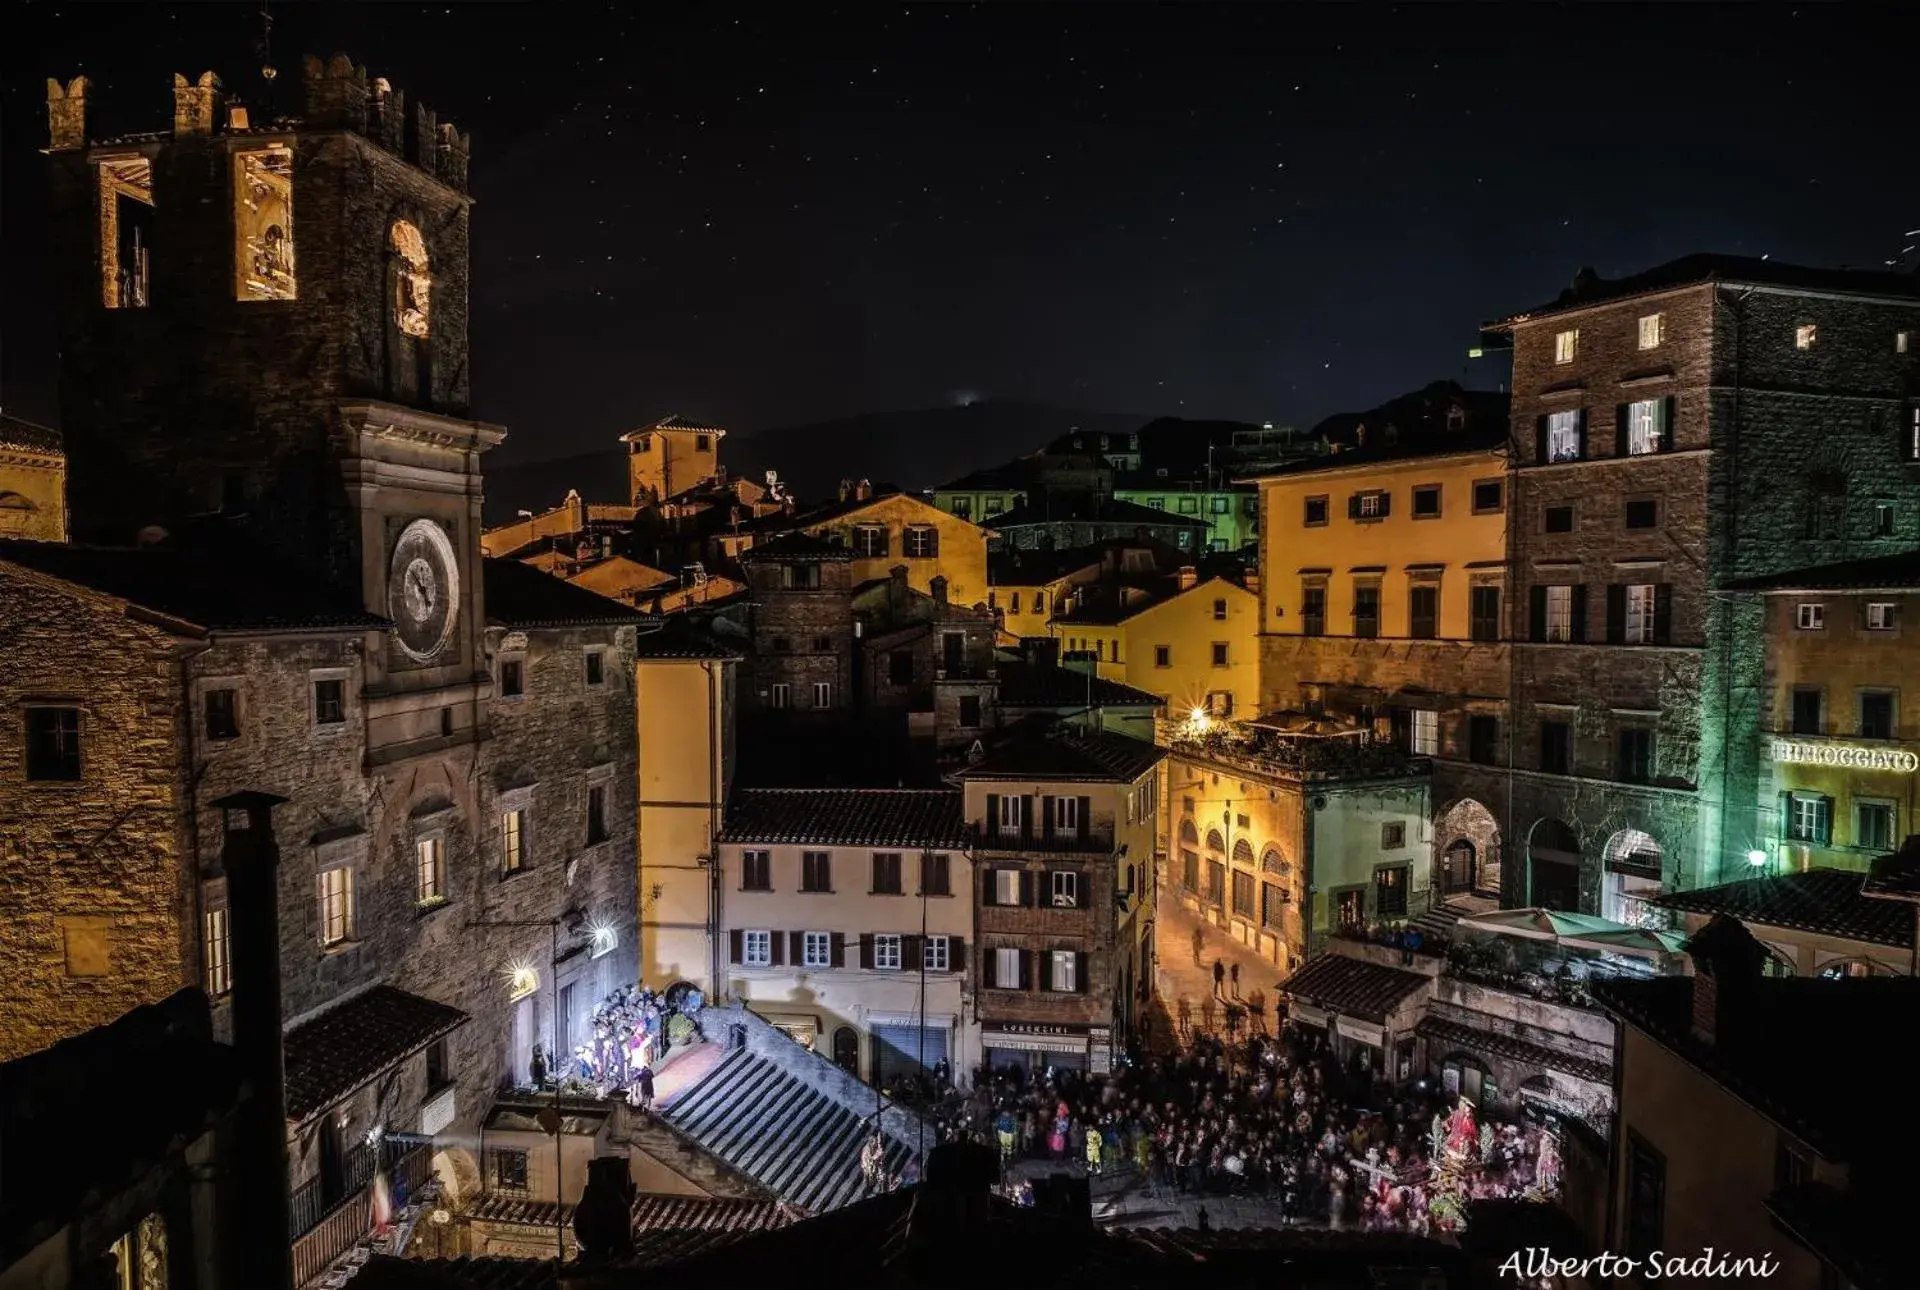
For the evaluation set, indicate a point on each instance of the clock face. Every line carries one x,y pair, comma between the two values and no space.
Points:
423,590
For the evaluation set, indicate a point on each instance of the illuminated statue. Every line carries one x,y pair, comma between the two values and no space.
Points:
1462,1134
1546,1173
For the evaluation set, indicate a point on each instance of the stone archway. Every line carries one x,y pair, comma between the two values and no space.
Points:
1553,866
1630,879
1468,849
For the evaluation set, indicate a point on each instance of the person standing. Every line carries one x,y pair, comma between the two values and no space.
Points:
1235,974
646,1087
1219,977
1199,946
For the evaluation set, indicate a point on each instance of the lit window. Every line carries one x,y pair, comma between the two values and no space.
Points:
1220,703
336,906
1810,818
126,232
1805,335
1426,732
1646,428
513,841
1560,614
935,954
1372,505
756,949
412,283
1810,617
869,540
823,694
1066,889
1006,886
1565,344
1065,974
886,951
1901,341
215,949
1653,330
1563,436
816,949
430,871
1008,969
263,224
1640,600
1009,815
1882,616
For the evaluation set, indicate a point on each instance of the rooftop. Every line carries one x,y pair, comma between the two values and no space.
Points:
1034,685
679,636
918,819
1826,902
1027,567
331,1054
1085,508
795,546
15,433
1900,572
1097,757
519,595
1896,876
1353,987
224,589
673,421
1589,288
1433,421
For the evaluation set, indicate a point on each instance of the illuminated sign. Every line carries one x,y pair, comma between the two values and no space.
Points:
1851,756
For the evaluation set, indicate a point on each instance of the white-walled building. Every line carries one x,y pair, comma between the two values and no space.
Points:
831,903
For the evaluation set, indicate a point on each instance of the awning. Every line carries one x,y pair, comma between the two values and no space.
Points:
1306,1013
1019,1043
1364,1032
354,1042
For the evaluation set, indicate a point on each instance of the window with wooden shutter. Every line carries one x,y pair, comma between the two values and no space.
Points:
1026,887
839,950
993,813
1084,816
1079,972
866,952
1616,613
797,949
734,945
1663,614
779,947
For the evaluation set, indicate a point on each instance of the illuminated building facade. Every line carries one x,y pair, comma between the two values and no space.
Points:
33,482
1191,641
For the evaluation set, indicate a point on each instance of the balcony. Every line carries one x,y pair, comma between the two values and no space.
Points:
323,1232
1306,757
1096,841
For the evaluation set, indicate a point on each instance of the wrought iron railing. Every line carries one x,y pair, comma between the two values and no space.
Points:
337,1228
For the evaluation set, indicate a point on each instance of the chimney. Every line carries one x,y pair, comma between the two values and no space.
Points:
846,489
251,860
937,588
1360,436
603,1220
952,1204
1727,962
863,490
1251,581
1188,576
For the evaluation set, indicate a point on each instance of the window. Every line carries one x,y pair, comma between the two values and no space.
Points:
756,871
1873,825
1220,702
330,702
1563,436
703,443
513,841
1366,612
1423,612
439,1064
1006,887
1369,506
1426,502
1189,506
823,644
1216,883
1808,718
801,577
934,880
1313,610
886,873
1565,344
1902,340
596,813
513,682
756,949
1219,653
1066,815
1220,611
969,712
430,874
222,714
1064,977
1273,899
1641,598
1809,818
1009,816
1559,625
816,949
1805,335
1876,714
1642,513
1557,519
1220,505
1008,969
1636,755
1190,870
509,1170
780,695
995,505
869,540
1483,738
1883,519
1653,330
1810,617
1243,894
935,954
1487,495
1039,602
1163,656
1064,885
1485,612
823,694
1647,427
922,542
1156,503
53,744
336,905
1882,616
962,507
1646,1198
215,949
596,667
263,224
816,871
886,951
1316,512
1013,603
126,231
1425,741
1556,747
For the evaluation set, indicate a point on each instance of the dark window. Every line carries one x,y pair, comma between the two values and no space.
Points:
933,876
1556,747
330,702
1366,612
1486,495
439,1065
223,714
512,678
886,873
900,667
1216,883
1316,511
1426,502
1219,653
1876,715
509,1170
53,743
596,813
1243,894
816,871
1484,607
781,645
1483,738
1806,712
1273,900
1883,519
1646,1198
756,871
1636,755
595,668
1643,513
1220,610
803,576
1190,870
823,644
969,712
1390,891
1313,611
1557,519
1163,656
1791,1166
1424,613
703,443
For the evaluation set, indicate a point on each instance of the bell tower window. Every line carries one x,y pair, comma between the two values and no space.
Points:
263,224
126,231
412,282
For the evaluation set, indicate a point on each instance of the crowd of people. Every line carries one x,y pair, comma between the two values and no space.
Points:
1327,1142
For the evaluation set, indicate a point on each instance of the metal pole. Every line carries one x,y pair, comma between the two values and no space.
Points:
920,1133
553,1072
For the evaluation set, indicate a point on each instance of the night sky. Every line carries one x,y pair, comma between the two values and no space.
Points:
1260,212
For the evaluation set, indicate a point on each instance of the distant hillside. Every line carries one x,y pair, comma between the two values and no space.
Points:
600,476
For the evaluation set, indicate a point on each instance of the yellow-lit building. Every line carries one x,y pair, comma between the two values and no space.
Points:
33,482
1028,587
669,457
1194,643
897,529
684,703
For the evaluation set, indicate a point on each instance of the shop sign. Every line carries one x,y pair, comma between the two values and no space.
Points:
1364,1032
1788,752
1100,1051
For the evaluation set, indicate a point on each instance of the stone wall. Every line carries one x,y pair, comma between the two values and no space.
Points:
816,628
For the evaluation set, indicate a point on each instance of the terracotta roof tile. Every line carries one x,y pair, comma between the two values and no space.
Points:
1029,685
1828,902
1100,757
519,595
849,817
332,1054
1353,987
1453,1034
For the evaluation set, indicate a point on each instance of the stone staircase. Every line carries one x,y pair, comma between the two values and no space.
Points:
792,1138
1438,921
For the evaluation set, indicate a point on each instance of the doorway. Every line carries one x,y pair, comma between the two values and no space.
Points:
1349,908
846,1049
1456,868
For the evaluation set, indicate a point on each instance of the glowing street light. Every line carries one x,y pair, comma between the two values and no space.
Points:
1756,858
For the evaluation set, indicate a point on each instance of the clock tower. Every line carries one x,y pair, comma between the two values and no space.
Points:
263,327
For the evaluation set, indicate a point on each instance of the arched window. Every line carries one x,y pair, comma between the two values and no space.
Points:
1243,853
846,1049
15,512
1188,834
1632,879
1272,861
1214,841
413,283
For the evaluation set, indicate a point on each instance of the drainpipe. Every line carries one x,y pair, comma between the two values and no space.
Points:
713,829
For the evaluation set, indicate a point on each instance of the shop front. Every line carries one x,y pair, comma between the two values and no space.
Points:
902,1045
1035,1048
